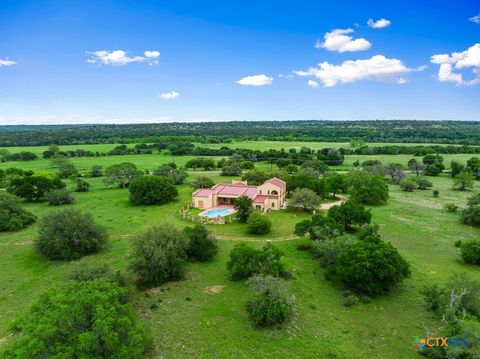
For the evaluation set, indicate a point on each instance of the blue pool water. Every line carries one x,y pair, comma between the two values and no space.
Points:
212,213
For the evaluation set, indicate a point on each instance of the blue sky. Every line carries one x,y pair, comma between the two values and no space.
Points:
156,61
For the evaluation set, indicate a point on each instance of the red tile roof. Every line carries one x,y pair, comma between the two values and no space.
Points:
260,198
277,182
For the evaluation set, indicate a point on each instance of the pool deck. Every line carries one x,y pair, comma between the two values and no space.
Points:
219,207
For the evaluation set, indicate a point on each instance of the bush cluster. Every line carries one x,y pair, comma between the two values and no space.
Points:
13,216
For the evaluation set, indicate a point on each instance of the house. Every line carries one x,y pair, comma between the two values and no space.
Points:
268,196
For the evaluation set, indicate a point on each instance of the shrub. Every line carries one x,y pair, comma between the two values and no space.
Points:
269,303
87,271
328,251
450,207
350,300
152,190
246,261
470,250
12,215
423,183
433,296
84,319
464,181
471,214
408,185
202,245
386,267
96,171
33,188
158,255
82,185
69,234
231,170
247,165
436,193
59,197
258,223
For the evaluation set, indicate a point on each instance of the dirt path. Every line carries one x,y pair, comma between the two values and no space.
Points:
327,206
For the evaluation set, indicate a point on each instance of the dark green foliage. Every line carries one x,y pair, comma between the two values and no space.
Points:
152,190
59,197
433,164
67,170
470,250
330,156
244,207
269,303
371,267
450,207
247,165
232,169
305,199
202,182
463,181
12,215
83,319
158,255
178,176
205,163
423,183
338,184
69,234
350,213
367,188
329,250
258,223
436,193
96,171
433,295
320,228
81,185
369,230
408,185
122,174
202,245
21,156
33,188
471,214
255,177
455,168
246,261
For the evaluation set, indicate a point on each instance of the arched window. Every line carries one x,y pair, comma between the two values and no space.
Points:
274,192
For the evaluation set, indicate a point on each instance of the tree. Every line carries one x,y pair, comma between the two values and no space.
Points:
473,164
202,182
408,185
246,261
67,170
244,207
96,171
258,223
247,165
338,184
158,255
395,171
269,302
202,245
33,188
59,197
255,177
350,213
471,214
12,216
367,188
463,181
81,185
231,170
83,319
178,176
371,267
455,168
471,251
320,228
433,164
122,174
304,198
69,235
152,190
415,166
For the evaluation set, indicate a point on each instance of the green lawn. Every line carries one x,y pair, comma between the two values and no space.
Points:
215,324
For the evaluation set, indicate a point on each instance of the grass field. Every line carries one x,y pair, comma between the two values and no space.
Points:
215,324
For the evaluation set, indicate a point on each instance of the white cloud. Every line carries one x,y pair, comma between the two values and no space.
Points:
469,58
312,83
172,95
152,54
255,80
475,19
338,40
7,62
120,57
378,68
378,24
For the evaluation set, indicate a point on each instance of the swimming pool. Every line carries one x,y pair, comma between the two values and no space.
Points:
217,212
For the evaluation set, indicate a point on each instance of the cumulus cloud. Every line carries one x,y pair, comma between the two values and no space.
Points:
312,83
378,24
121,58
172,95
378,68
339,40
7,62
475,19
451,64
255,80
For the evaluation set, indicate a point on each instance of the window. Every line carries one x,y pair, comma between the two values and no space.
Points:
273,204
274,192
